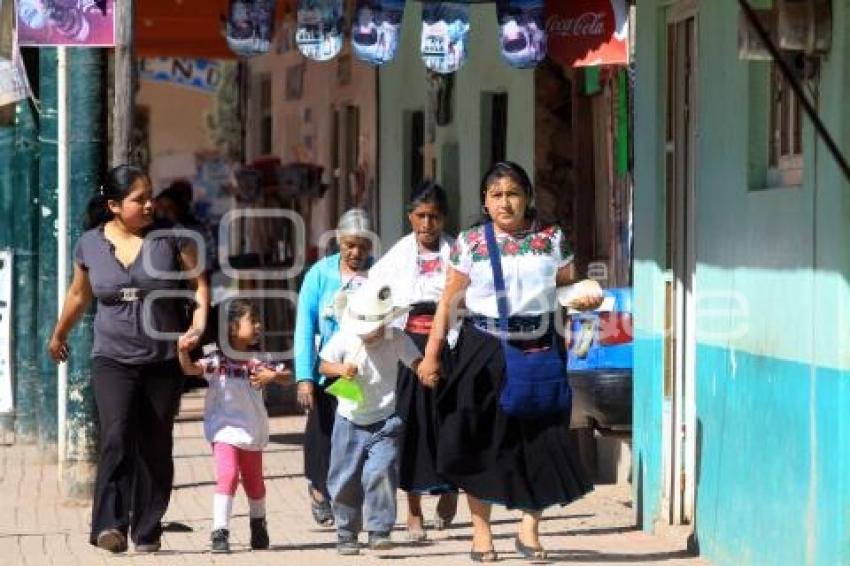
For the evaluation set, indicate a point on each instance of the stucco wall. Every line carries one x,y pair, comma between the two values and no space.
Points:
403,89
773,349
177,127
321,94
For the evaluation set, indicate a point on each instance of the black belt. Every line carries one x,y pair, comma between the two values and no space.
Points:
515,323
524,332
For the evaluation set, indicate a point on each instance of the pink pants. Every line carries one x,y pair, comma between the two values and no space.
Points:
231,462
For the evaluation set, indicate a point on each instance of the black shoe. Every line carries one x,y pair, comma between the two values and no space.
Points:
220,541
380,540
148,547
112,540
259,534
347,545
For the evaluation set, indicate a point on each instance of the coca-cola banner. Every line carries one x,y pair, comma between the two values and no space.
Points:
584,33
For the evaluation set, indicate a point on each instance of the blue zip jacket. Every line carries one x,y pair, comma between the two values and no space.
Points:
315,316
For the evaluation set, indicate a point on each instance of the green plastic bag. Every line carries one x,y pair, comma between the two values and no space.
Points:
346,389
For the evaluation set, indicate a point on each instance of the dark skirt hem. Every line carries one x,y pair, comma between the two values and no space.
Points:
418,443
525,464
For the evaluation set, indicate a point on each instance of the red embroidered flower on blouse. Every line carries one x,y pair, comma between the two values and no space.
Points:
510,248
539,243
473,236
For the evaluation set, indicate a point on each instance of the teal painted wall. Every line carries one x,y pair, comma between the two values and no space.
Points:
648,256
772,366
403,89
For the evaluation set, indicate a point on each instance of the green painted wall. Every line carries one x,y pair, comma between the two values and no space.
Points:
403,89
773,354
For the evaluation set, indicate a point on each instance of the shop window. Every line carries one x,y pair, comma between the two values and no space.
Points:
775,130
786,147
265,115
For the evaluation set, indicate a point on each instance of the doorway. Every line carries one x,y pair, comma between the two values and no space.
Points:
679,420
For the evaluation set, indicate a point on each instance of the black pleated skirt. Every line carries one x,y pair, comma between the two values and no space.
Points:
418,444
519,463
317,440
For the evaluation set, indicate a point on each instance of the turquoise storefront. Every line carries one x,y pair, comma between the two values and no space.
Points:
742,298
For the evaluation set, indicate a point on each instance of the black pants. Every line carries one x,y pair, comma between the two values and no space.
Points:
136,405
317,440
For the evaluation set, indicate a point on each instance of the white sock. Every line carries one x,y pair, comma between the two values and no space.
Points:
222,508
257,508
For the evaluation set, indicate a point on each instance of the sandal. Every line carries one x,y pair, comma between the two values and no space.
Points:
322,512
483,556
416,535
529,552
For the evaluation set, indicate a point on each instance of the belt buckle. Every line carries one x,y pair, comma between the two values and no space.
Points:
130,294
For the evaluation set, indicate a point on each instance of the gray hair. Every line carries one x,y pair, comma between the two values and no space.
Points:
355,222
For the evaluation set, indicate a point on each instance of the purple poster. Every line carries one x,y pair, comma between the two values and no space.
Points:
81,23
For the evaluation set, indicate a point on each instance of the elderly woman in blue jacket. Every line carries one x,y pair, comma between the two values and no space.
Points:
320,302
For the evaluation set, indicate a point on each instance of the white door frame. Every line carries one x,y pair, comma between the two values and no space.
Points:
680,447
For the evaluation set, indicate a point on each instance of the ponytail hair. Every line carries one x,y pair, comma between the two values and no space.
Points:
119,180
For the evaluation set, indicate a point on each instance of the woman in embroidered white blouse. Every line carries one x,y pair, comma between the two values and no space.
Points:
488,454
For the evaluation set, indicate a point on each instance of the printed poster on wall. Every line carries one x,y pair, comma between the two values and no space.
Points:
445,33
7,403
522,31
250,27
376,30
43,23
319,32
586,33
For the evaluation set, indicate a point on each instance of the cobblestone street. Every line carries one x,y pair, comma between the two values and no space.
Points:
37,527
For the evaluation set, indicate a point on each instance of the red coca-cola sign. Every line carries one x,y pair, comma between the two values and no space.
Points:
588,32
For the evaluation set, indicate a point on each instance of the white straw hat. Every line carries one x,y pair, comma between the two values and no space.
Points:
369,308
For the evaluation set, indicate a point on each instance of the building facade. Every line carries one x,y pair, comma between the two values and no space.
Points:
742,358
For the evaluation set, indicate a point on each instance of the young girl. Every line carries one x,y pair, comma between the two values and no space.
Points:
235,420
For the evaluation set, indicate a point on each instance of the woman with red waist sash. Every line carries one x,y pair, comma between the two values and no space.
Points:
415,269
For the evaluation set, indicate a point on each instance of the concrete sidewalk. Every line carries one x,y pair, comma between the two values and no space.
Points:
37,527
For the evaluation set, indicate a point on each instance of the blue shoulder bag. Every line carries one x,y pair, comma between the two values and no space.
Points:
535,383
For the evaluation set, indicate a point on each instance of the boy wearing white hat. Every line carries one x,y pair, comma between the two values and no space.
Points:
364,445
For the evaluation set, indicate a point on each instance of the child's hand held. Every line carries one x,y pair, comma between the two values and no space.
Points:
349,371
